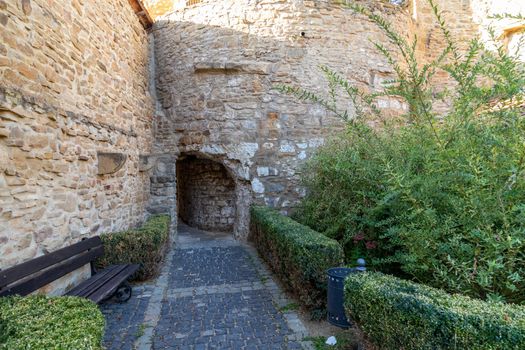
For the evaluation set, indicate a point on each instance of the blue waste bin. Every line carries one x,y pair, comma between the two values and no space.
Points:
336,278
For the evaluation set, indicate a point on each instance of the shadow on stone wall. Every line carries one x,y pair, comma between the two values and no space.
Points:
216,67
205,194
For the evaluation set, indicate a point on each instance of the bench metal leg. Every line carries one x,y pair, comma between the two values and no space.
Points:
123,292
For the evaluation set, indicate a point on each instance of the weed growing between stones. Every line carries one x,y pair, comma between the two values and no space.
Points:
289,307
345,341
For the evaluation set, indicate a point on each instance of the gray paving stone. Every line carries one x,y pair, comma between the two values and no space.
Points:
211,266
213,293
124,321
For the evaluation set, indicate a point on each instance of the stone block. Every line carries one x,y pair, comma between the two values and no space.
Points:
109,163
147,162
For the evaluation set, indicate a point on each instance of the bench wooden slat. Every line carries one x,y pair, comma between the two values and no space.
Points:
53,273
110,286
30,267
78,290
89,286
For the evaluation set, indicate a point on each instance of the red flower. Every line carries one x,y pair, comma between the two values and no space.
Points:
371,245
359,237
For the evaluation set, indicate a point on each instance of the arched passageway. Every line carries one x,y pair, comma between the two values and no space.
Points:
206,196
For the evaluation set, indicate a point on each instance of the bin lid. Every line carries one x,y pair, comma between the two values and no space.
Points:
339,272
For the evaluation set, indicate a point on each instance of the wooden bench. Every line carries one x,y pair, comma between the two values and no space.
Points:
31,275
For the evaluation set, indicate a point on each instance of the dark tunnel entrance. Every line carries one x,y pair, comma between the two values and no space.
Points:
205,194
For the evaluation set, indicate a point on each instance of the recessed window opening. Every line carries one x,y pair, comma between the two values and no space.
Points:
205,194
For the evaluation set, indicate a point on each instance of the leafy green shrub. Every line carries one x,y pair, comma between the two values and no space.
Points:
399,314
40,322
299,255
439,195
352,214
145,245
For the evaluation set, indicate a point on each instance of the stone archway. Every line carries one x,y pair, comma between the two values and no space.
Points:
171,187
206,194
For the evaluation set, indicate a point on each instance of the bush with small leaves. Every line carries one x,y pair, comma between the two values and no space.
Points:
435,195
41,322
399,314
145,246
297,254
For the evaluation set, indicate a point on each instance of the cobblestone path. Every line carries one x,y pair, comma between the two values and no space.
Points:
213,293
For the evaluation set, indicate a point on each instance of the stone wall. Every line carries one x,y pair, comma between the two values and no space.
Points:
511,31
217,62
73,83
205,194
76,81
466,19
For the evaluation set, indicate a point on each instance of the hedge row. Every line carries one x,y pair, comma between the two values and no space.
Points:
145,245
296,253
40,322
399,314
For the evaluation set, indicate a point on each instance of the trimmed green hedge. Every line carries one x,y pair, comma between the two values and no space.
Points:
298,255
41,322
399,314
145,245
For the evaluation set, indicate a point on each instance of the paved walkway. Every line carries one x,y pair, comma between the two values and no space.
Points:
213,293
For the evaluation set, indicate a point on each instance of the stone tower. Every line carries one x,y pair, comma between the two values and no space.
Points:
216,65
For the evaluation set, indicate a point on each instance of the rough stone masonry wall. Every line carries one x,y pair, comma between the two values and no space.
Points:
206,194
466,20
73,82
508,29
217,62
